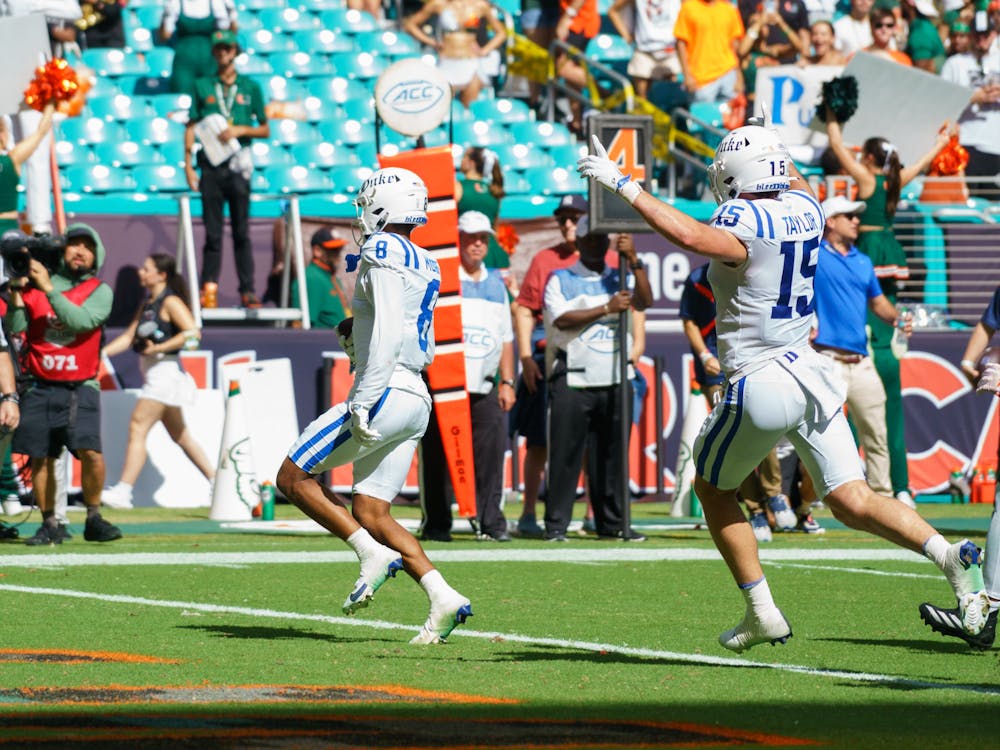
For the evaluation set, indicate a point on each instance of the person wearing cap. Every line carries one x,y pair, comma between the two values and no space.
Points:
581,308
489,379
846,287
62,315
923,45
239,100
529,413
189,25
959,38
327,302
979,123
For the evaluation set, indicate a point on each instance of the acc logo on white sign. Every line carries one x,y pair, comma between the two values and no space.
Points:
412,97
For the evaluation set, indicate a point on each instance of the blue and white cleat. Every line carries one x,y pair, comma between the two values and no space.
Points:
963,568
443,618
375,571
773,629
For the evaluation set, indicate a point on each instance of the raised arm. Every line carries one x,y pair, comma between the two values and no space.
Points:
864,178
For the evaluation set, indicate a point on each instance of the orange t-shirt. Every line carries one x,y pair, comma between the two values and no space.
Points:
588,18
708,28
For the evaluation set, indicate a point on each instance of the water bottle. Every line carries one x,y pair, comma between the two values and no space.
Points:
976,493
989,485
900,343
267,502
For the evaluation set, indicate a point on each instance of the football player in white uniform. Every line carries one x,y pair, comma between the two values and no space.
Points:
390,340
762,242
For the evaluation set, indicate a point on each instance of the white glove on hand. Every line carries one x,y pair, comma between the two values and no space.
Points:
989,381
365,434
606,172
345,335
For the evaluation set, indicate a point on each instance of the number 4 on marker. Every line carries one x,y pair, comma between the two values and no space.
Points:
624,151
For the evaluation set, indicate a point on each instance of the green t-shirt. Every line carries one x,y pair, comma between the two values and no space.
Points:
325,307
924,42
242,103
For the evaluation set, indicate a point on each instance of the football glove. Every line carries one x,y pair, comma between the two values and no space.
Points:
365,433
606,172
989,381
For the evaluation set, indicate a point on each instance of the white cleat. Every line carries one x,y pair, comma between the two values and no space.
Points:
773,628
963,568
784,517
375,571
443,618
974,609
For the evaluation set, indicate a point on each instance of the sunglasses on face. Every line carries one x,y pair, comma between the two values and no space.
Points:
566,217
886,25
850,217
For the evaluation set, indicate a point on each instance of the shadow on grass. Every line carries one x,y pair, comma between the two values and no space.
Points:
941,646
257,632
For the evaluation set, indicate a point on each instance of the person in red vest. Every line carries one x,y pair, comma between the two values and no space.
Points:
62,314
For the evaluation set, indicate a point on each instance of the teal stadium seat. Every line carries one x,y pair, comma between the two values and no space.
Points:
267,42
323,155
290,132
315,6
301,64
567,154
347,180
363,66
545,134
253,6
297,179
521,156
259,183
323,41
90,130
339,89
481,133
139,38
160,178
557,181
317,109
119,107
147,86
97,179
114,62
165,105
362,108
389,43
281,89
171,153
346,132
154,130
104,87
269,155
147,16
515,183
70,154
121,154
286,19
501,110
346,20
611,50
253,65
160,61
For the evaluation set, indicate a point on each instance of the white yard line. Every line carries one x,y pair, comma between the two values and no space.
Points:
645,653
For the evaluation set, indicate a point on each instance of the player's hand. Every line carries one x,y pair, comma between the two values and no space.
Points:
10,417
345,335
365,433
598,166
989,381
530,374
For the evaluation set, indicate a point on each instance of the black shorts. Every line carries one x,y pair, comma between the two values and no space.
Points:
527,418
56,416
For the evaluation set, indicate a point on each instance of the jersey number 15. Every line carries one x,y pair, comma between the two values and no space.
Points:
798,262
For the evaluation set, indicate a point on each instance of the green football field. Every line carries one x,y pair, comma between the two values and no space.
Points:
189,634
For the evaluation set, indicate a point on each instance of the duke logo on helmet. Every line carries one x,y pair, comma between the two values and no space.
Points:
391,196
750,159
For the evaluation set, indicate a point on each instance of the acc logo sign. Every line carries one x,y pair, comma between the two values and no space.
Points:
412,97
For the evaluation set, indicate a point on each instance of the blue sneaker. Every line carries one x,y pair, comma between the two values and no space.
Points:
375,571
784,516
761,529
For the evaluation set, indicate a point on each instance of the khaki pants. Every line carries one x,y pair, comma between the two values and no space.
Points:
866,407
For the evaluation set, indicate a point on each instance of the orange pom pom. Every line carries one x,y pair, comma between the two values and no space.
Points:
54,82
507,238
950,160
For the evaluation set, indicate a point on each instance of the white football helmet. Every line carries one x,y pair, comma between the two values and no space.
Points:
751,159
391,196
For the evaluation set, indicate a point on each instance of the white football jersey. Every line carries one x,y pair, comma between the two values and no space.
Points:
394,299
764,306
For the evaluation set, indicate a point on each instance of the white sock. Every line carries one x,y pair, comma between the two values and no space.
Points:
435,586
362,543
758,596
125,487
936,549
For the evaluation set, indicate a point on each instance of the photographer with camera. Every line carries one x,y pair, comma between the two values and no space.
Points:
61,306
162,326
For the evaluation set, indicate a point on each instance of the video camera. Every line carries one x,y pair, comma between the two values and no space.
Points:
17,249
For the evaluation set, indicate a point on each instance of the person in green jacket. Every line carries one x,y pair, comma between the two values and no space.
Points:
327,301
190,26
62,314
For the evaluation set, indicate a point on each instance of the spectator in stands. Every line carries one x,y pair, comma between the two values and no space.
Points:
854,30
708,40
236,103
103,26
12,157
823,39
371,7
460,57
651,33
489,379
328,304
539,19
480,188
529,414
62,315
924,45
582,305
880,176
777,34
846,288
579,23
883,40
190,24
821,10
979,122
959,39
162,327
